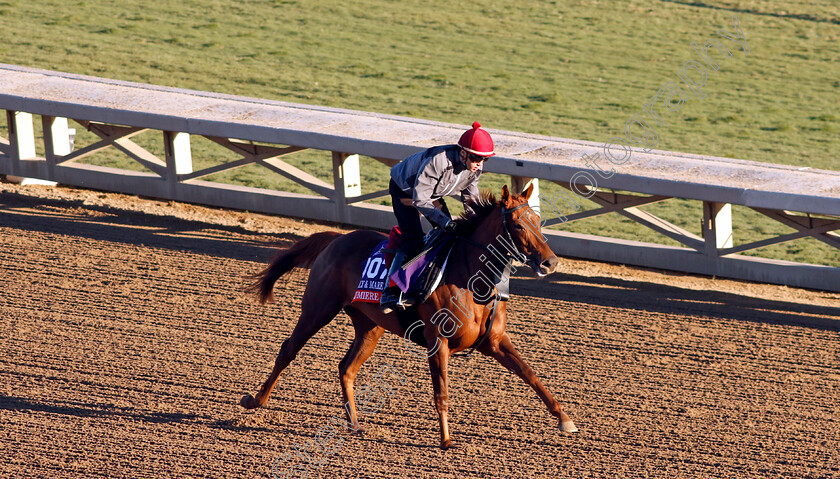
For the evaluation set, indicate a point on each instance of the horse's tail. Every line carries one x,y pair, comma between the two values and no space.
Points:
301,254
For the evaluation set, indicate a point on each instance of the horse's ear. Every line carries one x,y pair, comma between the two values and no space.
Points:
505,196
527,193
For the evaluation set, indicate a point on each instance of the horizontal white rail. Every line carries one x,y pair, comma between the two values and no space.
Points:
261,132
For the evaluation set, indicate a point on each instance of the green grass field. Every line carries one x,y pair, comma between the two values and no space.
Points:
576,69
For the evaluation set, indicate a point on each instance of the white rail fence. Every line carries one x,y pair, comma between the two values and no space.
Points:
262,132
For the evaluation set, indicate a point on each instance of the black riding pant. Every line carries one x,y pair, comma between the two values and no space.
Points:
408,217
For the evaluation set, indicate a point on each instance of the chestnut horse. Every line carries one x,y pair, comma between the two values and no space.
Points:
336,262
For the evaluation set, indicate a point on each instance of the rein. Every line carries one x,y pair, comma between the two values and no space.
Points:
509,257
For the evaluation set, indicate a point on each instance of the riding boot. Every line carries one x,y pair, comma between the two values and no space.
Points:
392,296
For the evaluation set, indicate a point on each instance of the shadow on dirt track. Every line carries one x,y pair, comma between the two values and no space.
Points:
12,403
650,297
135,228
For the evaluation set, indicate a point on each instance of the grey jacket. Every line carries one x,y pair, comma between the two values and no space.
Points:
432,174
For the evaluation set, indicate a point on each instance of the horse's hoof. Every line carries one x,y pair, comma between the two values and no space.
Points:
568,426
249,402
447,444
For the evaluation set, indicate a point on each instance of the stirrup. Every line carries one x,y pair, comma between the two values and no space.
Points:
388,308
391,300
392,307
392,296
406,302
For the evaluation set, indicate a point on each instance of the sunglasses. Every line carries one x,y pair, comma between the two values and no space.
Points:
476,158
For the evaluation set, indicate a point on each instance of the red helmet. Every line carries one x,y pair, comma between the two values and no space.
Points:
477,141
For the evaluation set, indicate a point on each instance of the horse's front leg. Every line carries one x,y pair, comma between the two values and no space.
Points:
438,364
509,357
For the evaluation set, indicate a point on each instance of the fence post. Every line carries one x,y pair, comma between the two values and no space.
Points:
518,185
717,227
178,157
21,137
56,141
347,180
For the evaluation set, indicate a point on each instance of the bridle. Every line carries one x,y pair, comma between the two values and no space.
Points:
520,256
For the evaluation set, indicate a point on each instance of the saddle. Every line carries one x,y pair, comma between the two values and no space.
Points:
420,276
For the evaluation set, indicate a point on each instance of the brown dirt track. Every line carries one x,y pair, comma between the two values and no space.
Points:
126,345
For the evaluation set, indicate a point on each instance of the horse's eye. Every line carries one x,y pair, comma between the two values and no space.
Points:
518,226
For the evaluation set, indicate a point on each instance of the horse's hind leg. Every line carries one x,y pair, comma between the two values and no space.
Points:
438,367
506,354
316,313
367,334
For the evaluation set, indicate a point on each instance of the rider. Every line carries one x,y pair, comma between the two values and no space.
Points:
418,185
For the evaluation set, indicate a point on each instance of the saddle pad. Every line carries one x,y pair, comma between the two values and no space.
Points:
435,243
430,277
374,275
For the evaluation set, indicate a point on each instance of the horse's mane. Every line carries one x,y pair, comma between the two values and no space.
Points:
481,208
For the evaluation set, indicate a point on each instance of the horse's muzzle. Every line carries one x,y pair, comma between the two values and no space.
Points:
545,267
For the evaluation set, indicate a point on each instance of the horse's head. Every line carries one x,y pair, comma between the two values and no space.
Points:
522,226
